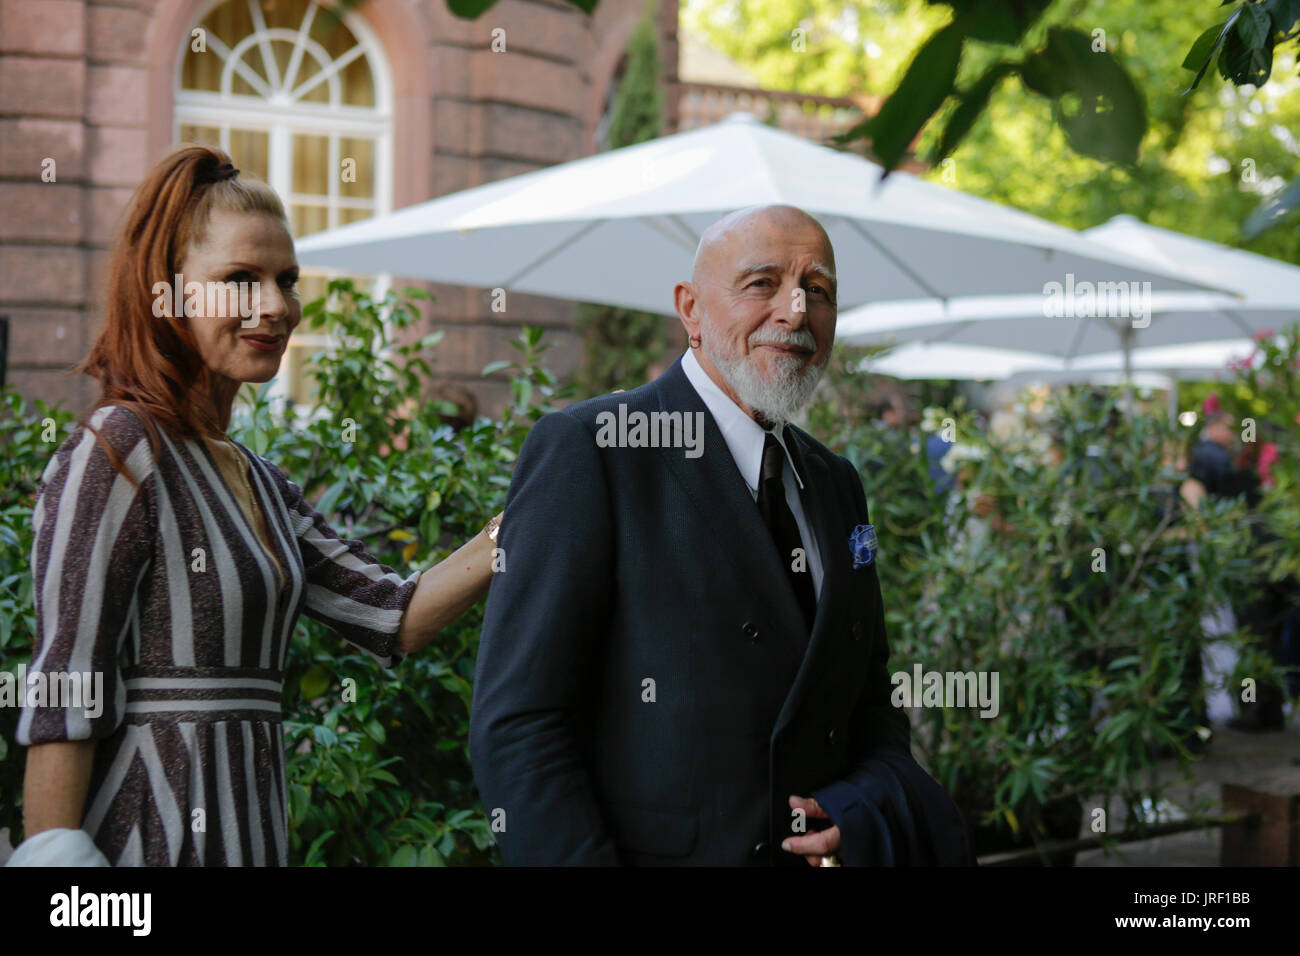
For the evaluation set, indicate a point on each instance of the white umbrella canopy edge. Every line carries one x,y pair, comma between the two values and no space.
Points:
921,360
1255,278
1266,295
556,231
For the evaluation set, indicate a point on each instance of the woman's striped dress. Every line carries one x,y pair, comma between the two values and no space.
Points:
167,591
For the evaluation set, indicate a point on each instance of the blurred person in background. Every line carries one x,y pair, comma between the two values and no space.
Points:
1216,472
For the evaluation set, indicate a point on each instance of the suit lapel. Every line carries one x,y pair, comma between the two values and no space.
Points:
822,509
714,485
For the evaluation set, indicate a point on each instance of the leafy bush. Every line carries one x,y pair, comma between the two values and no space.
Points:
378,765
384,776
1064,563
997,576
28,437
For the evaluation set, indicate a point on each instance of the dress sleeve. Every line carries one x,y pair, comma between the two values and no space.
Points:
348,589
93,541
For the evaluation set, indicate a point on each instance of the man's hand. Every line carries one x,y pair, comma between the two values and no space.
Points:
812,846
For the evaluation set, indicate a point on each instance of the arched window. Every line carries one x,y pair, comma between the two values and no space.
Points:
302,97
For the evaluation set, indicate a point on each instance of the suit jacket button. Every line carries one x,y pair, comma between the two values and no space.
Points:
760,850
830,737
750,631
857,630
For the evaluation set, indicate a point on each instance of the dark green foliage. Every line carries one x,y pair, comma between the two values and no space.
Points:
378,766
28,437
1002,577
384,778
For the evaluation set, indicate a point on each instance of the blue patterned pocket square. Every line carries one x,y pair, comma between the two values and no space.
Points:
862,544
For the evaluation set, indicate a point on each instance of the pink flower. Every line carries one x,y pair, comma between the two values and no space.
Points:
1211,403
1267,455
1263,334
1297,415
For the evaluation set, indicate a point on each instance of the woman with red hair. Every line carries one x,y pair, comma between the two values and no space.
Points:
170,563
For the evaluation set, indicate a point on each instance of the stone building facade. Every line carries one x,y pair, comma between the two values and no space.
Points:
103,88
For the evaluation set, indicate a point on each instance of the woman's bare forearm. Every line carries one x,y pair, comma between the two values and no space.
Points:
446,591
55,785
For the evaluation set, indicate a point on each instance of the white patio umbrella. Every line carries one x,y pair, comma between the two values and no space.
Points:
1158,367
1201,360
939,360
915,361
1266,294
621,227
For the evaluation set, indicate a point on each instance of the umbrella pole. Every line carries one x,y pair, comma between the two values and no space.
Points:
1126,340
1173,396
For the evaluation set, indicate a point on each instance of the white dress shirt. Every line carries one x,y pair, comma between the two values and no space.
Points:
744,438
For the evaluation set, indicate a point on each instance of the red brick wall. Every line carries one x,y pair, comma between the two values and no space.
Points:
88,84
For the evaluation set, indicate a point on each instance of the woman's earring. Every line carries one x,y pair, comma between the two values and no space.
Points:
695,341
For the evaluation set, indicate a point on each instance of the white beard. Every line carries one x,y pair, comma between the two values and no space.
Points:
777,398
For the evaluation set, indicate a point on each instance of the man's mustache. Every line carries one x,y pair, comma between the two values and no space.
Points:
799,338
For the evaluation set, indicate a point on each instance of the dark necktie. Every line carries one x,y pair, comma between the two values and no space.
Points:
780,522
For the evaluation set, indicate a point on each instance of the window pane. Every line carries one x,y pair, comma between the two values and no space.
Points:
249,149
332,33
200,71
363,170
311,157
208,135
308,219
311,287
286,14
229,23
347,215
320,93
358,83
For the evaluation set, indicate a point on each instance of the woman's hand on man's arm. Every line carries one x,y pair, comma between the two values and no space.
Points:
446,591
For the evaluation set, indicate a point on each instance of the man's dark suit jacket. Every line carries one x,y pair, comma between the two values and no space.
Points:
630,565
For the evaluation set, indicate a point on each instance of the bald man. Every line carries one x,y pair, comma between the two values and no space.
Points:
684,660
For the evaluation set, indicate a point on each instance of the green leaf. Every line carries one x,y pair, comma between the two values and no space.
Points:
330,499
348,770
405,856
1004,22
429,856
926,84
1099,109
315,682
299,803
1241,62
1255,25
430,527
1286,13
315,848
469,9
1272,211
497,366
972,104
1205,49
